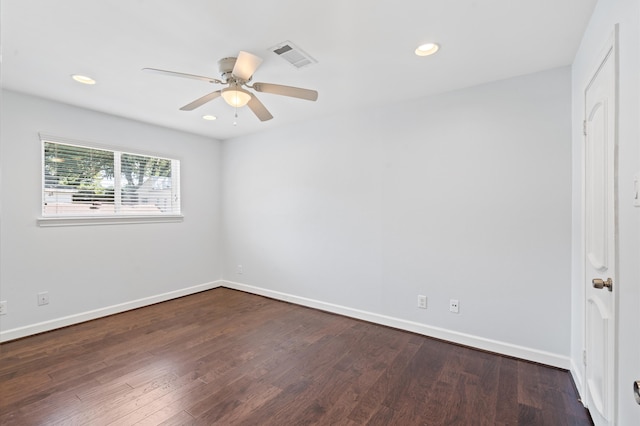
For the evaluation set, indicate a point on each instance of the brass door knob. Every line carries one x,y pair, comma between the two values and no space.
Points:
600,283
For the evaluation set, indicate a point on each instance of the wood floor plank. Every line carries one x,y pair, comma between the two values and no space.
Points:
165,406
232,358
256,396
388,383
40,410
507,392
180,419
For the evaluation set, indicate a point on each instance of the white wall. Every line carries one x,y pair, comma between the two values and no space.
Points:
601,26
98,269
462,195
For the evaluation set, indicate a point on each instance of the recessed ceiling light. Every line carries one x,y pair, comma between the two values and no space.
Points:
427,49
83,79
209,117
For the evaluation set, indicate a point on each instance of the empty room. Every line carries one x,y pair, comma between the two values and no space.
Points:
281,213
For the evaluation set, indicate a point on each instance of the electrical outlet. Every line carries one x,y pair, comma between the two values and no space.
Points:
3,307
422,301
43,298
239,270
454,306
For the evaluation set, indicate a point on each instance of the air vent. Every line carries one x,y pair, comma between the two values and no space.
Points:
293,54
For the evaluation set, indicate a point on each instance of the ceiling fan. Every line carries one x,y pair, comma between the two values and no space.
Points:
237,73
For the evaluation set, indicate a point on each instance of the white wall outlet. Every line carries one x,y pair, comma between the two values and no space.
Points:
239,269
3,307
43,298
422,301
454,306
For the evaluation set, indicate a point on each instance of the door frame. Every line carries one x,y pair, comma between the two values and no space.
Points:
610,48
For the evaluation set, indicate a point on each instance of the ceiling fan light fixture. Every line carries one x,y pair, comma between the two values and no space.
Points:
427,49
236,96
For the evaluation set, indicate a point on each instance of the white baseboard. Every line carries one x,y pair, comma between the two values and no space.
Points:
482,343
576,374
41,327
477,342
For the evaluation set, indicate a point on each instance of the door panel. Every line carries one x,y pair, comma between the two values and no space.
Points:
596,187
598,341
600,239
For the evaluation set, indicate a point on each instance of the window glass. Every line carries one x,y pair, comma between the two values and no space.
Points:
86,181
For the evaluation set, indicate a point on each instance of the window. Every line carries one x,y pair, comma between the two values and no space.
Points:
83,181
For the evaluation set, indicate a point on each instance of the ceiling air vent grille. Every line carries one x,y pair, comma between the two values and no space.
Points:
293,54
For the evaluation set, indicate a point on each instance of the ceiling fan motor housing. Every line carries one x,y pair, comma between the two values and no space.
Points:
225,65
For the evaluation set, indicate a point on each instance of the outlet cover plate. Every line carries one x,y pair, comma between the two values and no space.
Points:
422,302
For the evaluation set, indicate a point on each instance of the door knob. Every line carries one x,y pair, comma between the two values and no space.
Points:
600,283
636,390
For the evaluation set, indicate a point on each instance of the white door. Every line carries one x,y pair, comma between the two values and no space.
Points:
600,238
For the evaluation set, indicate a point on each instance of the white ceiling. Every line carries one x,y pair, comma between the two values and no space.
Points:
364,51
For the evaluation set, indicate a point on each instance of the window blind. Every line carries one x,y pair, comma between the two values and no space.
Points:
86,181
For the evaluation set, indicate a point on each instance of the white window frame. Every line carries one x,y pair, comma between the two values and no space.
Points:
46,220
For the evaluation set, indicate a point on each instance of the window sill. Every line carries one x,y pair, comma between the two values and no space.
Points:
106,220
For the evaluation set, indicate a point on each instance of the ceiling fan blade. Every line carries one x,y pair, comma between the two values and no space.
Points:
294,92
181,74
258,109
246,65
201,101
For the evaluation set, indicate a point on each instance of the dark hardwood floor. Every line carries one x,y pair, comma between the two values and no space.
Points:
227,357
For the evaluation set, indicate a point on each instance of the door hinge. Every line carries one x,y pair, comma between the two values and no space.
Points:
584,357
584,127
